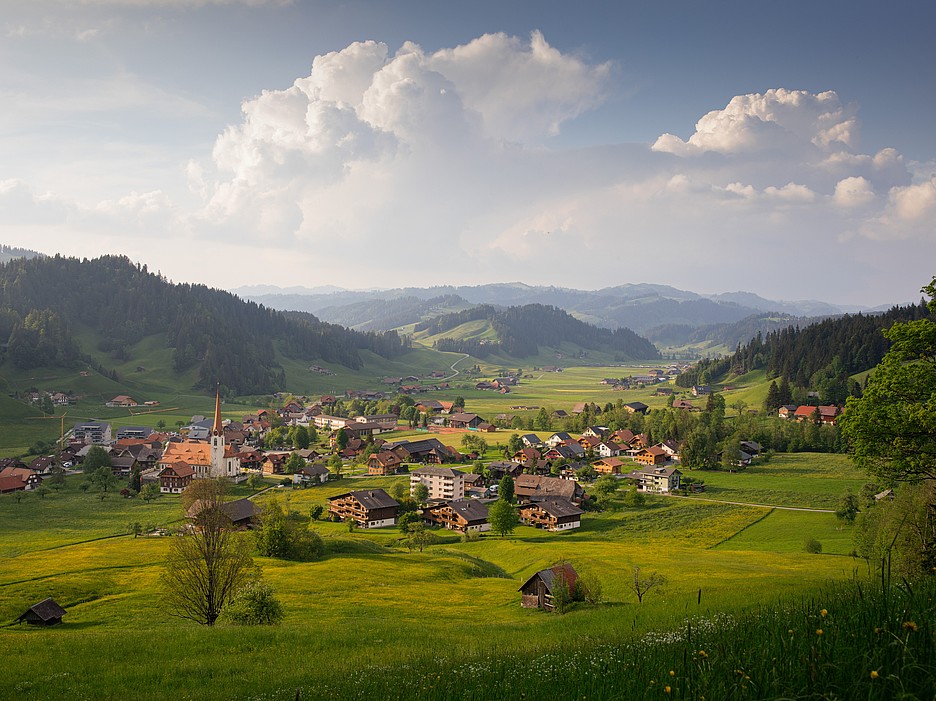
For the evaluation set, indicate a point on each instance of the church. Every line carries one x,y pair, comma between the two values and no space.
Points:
208,459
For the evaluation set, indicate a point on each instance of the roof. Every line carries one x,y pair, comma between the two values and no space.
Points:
471,510
558,508
179,469
369,498
46,609
553,575
467,418
438,471
538,486
238,510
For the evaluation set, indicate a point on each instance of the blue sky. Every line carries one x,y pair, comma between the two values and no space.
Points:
435,143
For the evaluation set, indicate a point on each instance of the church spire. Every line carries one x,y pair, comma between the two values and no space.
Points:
217,429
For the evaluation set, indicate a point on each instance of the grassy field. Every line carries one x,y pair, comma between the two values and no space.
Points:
809,480
370,604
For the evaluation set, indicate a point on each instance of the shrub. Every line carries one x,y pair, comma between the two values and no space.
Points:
253,605
812,546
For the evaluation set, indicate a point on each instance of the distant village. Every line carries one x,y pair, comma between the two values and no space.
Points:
548,473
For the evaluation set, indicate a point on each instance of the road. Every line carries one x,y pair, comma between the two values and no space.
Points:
455,372
763,506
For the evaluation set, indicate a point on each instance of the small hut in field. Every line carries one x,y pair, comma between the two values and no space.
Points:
45,613
538,590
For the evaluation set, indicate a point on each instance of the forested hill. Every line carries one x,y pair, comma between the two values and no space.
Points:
818,357
42,300
522,330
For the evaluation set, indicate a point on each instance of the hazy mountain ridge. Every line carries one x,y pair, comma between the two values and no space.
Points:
641,307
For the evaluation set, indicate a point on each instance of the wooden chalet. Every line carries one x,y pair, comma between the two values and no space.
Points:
384,463
368,508
608,466
540,488
45,613
176,477
551,514
240,513
654,455
538,590
462,515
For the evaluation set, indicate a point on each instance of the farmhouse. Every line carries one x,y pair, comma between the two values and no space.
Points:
551,514
314,474
538,591
176,477
368,508
239,513
465,420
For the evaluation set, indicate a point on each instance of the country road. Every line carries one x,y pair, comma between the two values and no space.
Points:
763,506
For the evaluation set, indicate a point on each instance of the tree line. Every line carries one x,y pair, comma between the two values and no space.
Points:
43,300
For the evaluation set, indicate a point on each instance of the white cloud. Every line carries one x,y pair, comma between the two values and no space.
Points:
914,203
853,192
21,205
777,119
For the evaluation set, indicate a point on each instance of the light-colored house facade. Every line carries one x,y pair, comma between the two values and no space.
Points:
442,482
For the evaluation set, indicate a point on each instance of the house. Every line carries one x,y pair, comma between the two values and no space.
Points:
384,463
463,420
274,462
498,469
331,423
558,438
531,440
787,411
45,613
600,432
240,513
572,451
427,450
526,454
654,455
608,449
176,477
636,408
311,474
122,465
671,447
608,466
462,515
542,488
539,590
122,400
551,514
11,483
683,404
387,422
368,508
623,436
701,390
442,482
659,480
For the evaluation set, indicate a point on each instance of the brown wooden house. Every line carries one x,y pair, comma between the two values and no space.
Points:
538,591
551,514
176,477
384,463
368,508
462,515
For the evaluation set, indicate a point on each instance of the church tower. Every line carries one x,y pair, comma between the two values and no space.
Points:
219,466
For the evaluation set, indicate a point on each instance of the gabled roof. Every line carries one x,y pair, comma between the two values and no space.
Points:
553,575
557,508
369,498
471,510
437,471
46,610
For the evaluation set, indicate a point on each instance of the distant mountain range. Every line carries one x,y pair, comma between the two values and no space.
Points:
644,308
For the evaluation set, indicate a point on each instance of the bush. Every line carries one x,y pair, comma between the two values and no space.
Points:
407,519
812,546
253,605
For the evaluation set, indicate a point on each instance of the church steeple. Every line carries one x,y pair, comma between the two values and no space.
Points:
217,429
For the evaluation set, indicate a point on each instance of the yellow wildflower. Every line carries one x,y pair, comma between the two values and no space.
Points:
667,689
672,673
823,613
910,625
874,674
818,631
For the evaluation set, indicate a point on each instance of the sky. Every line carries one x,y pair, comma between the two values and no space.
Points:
785,149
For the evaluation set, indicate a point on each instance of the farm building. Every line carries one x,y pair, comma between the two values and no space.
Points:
45,613
538,591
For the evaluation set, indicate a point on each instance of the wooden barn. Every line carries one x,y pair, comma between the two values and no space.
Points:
538,590
45,613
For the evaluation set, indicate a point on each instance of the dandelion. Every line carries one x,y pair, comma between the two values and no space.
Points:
877,631
672,673
874,674
790,631
823,613
910,625
818,631
667,689
702,653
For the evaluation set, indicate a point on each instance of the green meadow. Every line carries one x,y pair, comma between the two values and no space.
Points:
369,604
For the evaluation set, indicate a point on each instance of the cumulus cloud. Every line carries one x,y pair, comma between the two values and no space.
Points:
21,205
777,119
853,192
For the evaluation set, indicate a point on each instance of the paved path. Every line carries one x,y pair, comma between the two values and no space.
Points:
763,506
454,371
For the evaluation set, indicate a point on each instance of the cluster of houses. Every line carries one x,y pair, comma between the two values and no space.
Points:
828,415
